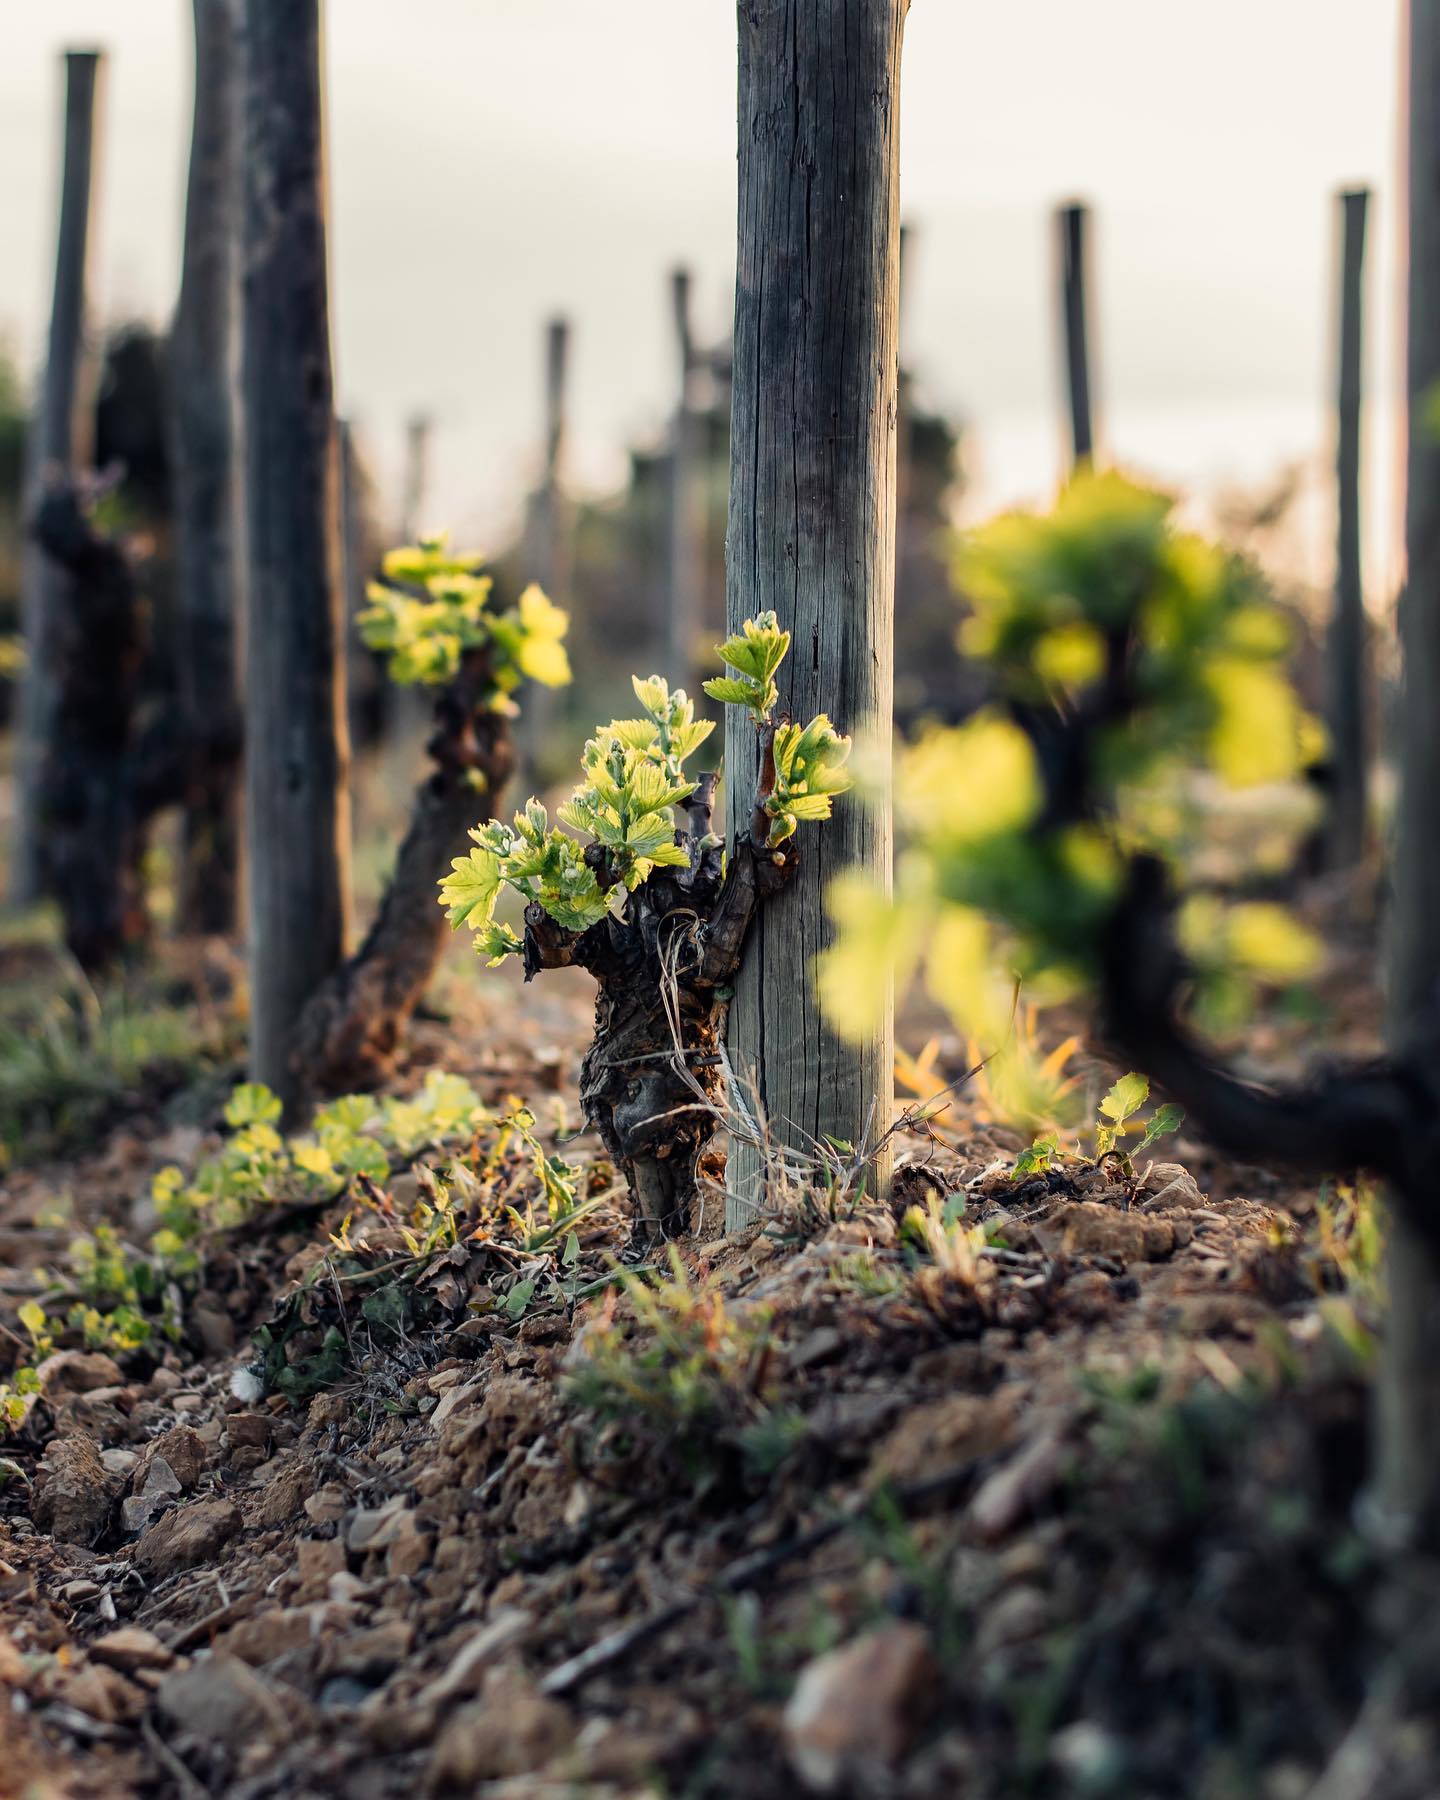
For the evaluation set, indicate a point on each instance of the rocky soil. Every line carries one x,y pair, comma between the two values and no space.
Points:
1063,1510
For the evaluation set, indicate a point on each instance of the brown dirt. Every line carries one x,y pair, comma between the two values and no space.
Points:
1078,1519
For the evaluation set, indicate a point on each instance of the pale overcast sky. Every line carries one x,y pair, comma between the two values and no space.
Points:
495,160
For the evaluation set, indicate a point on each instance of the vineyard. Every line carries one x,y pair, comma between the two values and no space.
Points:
780,1140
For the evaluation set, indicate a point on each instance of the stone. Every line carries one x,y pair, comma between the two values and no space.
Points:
77,1372
218,1699
411,1552
512,1729
327,1506
1169,1184
268,1635
1017,1616
343,1691
183,1448
1086,1228
506,1625
103,1694
370,1655
456,1399
185,1539
858,1708
379,1527
74,1495
214,1328
119,1462
137,1510
1017,1486
941,1435
316,1560
161,1481
13,1670
252,1429
130,1648
286,1491
327,1410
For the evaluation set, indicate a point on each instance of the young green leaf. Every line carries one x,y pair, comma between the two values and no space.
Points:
1126,1098
1162,1122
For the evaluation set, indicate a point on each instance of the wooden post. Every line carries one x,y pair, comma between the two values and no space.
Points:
1404,1502
547,546
204,358
1073,223
1345,648
418,428
811,530
547,549
60,445
686,549
297,806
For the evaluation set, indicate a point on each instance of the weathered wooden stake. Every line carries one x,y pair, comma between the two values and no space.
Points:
812,513
547,543
686,522
1345,647
1406,1488
59,446
297,806
1073,227
418,431
204,364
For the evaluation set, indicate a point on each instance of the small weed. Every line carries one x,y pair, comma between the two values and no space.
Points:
1023,1086
1352,1239
1118,1116
685,1379
66,1058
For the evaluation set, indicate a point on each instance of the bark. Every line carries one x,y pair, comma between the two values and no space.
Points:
89,810
812,510
1406,1487
1072,223
652,1081
352,1027
1345,649
58,447
207,493
297,807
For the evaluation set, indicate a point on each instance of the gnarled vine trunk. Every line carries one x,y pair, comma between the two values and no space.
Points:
352,1026
59,444
88,811
652,1081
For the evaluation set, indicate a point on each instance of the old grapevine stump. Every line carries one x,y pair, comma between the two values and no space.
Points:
350,1030
652,1082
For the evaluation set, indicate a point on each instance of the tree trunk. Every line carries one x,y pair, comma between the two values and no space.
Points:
58,446
1406,1488
1345,649
1072,222
353,1025
297,806
207,494
811,531
686,523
